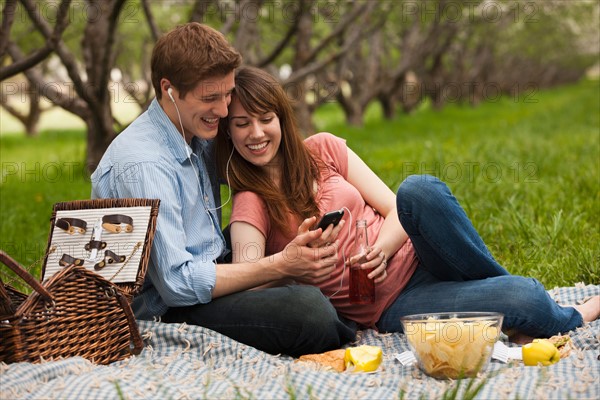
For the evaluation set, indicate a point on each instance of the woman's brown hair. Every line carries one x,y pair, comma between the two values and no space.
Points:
259,93
189,54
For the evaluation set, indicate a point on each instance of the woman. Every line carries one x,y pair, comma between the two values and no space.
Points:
425,254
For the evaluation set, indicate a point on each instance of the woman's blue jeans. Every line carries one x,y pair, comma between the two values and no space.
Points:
457,272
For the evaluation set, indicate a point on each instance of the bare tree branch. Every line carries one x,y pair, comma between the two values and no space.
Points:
67,58
52,38
65,100
43,26
109,50
359,8
151,23
30,119
12,110
26,62
315,67
283,43
8,16
247,37
199,10
231,18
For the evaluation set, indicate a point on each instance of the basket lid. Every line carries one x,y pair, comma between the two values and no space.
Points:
111,237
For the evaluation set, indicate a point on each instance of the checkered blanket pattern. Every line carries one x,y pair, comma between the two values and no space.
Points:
189,362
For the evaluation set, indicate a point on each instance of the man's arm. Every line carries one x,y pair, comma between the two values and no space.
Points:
297,260
182,268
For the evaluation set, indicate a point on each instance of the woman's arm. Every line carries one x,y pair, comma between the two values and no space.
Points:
247,242
248,246
379,196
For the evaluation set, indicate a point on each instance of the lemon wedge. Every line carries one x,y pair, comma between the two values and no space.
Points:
363,358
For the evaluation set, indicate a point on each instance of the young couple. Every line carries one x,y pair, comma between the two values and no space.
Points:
287,289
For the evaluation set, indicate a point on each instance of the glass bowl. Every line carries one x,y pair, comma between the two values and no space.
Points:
452,345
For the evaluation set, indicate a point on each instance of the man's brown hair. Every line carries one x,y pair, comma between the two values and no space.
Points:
189,54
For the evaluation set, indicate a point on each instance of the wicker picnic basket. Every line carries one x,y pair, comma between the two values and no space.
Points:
75,312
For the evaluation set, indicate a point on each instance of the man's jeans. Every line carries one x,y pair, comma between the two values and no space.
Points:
292,320
457,272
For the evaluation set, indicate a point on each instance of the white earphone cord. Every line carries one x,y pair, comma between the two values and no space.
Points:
189,156
343,257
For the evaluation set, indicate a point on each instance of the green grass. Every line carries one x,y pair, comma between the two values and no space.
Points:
36,173
526,171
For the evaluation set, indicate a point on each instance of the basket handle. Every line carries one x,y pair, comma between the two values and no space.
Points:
138,343
26,276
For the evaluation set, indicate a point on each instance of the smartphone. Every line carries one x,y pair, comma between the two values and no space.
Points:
332,217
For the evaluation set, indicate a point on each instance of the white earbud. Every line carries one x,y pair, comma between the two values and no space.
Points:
170,93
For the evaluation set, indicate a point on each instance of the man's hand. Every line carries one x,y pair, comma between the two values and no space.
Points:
311,265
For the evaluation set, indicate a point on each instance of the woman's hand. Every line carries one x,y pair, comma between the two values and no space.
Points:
328,236
377,261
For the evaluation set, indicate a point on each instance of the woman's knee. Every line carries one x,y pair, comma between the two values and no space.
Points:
419,190
523,295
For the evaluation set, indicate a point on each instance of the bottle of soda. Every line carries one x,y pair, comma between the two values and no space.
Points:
362,289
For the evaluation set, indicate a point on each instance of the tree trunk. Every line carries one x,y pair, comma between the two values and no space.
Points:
388,106
35,112
31,118
356,118
302,54
99,56
100,133
304,118
353,110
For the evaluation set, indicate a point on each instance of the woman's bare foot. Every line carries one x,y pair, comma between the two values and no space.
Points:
590,310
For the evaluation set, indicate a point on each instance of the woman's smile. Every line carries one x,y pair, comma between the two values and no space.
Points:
258,148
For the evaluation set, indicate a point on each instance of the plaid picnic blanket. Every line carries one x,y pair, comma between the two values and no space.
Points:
190,362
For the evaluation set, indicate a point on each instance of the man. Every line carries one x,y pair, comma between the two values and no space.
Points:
167,153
